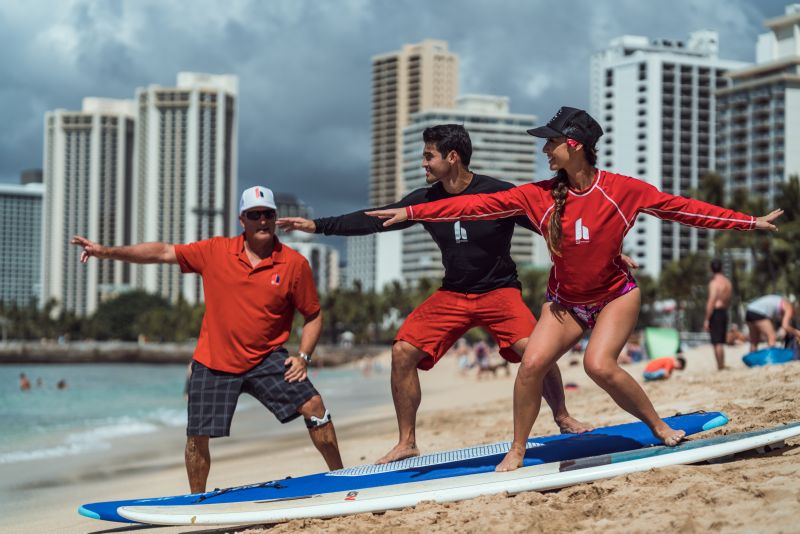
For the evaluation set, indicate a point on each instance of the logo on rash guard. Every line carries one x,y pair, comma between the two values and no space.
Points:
461,233
581,232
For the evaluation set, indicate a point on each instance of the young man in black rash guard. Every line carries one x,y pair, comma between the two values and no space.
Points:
480,285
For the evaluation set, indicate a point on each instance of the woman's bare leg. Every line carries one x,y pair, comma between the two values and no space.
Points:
553,335
614,325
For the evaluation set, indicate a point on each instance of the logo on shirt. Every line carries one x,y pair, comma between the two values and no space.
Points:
461,233
276,279
581,232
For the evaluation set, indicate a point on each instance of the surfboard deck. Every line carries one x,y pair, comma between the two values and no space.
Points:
448,464
541,477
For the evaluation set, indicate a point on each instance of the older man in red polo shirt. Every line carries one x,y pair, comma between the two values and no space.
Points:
252,285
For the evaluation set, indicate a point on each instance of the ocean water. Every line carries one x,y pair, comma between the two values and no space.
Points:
107,402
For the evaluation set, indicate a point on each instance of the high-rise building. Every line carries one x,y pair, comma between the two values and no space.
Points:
418,77
185,186
759,113
656,103
374,260
31,176
323,260
88,157
20,243
501,148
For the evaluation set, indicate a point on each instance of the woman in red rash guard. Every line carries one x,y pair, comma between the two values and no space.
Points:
584,213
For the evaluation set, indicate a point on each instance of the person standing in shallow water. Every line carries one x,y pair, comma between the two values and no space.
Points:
584,213
720,291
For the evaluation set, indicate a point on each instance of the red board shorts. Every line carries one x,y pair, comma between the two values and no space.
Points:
446,316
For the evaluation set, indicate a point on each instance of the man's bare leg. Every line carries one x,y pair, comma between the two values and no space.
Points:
407,395
198,462
719,354
553,393
324,436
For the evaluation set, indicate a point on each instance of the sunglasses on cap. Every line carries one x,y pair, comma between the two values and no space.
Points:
256,215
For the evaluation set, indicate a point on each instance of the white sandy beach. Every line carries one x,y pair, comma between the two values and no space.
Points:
751,493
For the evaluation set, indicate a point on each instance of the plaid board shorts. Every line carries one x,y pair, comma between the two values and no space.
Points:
435,325
213,394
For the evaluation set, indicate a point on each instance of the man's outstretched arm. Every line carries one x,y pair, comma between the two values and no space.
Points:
350,224
141,253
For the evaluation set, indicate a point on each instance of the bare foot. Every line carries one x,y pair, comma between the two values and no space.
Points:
512,460
570,425
400,451
670,436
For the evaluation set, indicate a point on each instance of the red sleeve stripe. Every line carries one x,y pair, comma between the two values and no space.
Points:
545,216
627,224
533,221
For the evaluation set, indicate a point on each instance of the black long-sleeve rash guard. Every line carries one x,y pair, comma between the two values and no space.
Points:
476,254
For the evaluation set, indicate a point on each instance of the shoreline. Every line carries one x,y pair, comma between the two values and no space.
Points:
33,352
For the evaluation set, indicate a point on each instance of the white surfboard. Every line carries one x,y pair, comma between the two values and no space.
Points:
534,478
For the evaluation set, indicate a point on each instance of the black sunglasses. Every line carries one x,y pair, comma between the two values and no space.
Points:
256,215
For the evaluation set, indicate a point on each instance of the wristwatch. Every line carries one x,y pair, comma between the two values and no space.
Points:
306,357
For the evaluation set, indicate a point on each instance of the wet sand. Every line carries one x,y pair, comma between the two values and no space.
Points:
751,493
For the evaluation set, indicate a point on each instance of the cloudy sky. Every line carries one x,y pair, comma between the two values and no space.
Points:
304,66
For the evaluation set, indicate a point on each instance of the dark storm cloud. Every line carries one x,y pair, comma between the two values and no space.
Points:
304,67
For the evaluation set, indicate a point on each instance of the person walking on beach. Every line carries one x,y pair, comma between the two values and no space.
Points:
252,285
760,315
480,285
584,213
720,291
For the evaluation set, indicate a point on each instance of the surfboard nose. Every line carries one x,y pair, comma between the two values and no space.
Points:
88,513
720,420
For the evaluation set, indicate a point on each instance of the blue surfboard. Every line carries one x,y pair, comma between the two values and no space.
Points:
768,356
459,462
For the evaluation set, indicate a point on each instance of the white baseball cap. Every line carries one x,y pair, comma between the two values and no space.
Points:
257,197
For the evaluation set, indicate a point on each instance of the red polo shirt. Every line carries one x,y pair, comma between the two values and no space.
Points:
249,310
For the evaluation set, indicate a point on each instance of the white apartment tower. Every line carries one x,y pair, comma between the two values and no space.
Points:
88,157
759,113
418,77
185,182
374,260
501,148
655,99
20,243
324,262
